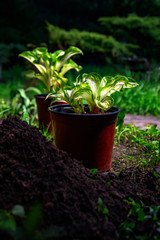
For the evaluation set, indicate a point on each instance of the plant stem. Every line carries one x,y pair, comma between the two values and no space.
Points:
95,110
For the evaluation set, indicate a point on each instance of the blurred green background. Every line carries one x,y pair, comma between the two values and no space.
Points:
102,28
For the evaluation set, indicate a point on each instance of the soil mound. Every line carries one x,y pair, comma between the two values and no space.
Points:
72,198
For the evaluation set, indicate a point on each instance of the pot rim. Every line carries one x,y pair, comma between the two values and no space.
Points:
56,110
40,95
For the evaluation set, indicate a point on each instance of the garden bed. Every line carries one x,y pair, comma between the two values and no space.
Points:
75,203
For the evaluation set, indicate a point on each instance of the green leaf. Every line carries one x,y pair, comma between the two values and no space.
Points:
101,209
25,115
100,205
33,89
127,226
7,222
41,68
116,83
30,74
94,170
106,103
40,50
82,91
32,220
24,96
93,80
141,214
156,174
30,56
70,64
62,58
18,210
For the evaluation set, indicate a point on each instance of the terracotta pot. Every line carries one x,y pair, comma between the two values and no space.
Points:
44,116
87,137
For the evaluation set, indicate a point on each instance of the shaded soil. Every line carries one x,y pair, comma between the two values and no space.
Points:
32,170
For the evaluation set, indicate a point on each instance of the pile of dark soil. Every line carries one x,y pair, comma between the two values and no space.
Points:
33,170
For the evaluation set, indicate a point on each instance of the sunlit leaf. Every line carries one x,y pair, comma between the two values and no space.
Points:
40,50
31,57
94,80
67,54
106,104
70,64
116,83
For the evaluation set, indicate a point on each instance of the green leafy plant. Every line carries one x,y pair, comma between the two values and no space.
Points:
50,68
29,224
139,213
21,104
95,90
137,209
101,209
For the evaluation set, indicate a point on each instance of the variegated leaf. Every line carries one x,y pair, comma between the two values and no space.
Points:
40,50
93,80
31,57
82,91
116,84
67,54
106,103
70,64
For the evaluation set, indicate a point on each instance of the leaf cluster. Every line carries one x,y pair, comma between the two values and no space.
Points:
29,227
50,68
140,213
95,90
21,105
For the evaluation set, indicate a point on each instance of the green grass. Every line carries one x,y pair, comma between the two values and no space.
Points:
142,100
134,147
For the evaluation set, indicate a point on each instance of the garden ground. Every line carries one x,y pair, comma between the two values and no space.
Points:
141,121
75,203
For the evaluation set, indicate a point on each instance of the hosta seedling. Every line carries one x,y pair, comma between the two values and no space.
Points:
95,90
50,68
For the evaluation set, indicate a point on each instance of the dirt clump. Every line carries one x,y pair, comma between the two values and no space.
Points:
33,170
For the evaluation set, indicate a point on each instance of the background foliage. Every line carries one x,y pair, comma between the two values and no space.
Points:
92,43
127,22
141,31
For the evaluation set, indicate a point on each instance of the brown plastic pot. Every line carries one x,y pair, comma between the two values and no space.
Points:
44,116
87,137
